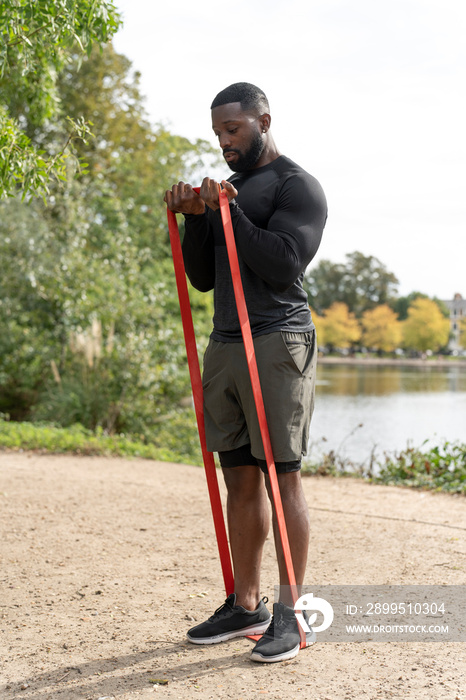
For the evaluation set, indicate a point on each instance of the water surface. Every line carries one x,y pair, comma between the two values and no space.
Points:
363,409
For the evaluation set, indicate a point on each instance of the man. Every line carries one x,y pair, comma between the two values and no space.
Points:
278,213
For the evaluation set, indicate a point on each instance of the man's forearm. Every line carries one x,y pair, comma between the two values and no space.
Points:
198,252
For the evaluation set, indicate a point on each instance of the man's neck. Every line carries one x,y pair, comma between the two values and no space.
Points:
269,154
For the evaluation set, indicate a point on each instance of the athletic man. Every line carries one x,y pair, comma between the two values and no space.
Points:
278,212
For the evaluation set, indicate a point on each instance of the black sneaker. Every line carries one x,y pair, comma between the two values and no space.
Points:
281,641
231,620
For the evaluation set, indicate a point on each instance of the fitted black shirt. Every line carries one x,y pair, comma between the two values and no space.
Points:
278,218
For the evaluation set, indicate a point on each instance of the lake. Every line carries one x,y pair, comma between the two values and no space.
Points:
365,408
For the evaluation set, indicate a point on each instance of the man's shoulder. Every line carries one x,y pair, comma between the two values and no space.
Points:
285,182
287,169
296,180
279,169
284,165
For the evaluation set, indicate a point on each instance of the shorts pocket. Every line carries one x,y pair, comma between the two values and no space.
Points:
300,347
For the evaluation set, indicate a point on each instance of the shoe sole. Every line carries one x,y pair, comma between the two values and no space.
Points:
243,632
286,655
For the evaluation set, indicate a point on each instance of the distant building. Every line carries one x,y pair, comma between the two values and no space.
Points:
457,308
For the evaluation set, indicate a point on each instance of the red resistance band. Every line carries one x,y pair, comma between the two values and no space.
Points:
196,382
198,397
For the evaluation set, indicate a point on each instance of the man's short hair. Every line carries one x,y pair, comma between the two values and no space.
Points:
252,98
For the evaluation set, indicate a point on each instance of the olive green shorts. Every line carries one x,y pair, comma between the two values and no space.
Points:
287,367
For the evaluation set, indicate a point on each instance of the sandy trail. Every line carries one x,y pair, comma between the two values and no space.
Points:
106,562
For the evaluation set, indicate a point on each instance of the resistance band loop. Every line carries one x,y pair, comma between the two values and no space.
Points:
196,382
257,392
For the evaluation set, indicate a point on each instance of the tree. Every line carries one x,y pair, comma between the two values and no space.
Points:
362,283
139,161
462,326
402,304
90,329
323,284
319,322
341,328
442,306
37,39
426,328
381,329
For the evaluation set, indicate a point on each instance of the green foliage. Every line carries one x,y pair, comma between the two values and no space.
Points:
366,288
362,283
36,40
76,439
401,305
440,468
330,464
31,31
90,329
25,165
60,286
137,160
445,311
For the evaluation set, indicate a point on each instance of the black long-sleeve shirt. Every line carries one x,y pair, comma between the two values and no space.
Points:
278,218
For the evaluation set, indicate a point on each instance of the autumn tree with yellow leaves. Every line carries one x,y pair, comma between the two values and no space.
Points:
381,329
338,327
426,328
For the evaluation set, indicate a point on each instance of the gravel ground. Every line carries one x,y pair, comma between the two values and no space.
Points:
106,562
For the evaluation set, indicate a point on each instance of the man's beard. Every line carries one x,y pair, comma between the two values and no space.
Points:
247,161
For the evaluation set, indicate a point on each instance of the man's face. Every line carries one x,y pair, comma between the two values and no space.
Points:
239,136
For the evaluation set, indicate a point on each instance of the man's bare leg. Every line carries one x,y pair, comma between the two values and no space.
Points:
248,525
297,521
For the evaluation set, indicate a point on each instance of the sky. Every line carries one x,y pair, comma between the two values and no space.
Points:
369,96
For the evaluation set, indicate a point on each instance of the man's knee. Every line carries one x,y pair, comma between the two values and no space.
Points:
245,482
290,486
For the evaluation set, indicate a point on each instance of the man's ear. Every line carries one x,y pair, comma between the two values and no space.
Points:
264,122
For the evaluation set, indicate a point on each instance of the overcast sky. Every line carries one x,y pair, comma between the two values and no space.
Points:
367,95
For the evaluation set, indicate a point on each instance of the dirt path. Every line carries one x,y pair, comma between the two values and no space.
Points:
106,562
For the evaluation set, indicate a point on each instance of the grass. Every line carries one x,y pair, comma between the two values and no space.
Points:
47,437
437,468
